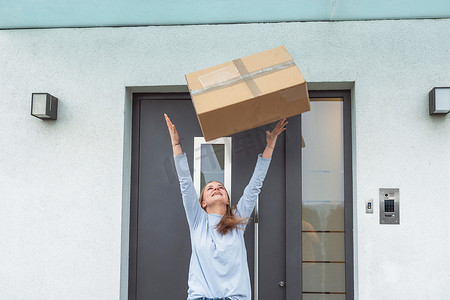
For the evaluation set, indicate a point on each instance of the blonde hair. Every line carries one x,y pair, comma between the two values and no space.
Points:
229,220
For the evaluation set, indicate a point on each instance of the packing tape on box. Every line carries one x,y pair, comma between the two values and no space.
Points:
251,84
235,74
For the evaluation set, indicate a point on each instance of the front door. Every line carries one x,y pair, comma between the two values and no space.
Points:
159,236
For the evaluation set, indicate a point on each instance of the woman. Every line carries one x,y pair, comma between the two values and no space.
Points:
218,269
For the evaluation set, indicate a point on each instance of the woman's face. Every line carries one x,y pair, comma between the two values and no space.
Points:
215,195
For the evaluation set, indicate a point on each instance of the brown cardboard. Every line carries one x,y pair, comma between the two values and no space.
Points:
246,93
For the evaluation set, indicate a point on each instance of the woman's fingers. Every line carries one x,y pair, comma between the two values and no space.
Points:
172,130
169,123
280,126
281,123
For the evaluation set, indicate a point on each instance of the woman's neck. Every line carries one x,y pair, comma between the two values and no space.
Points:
216,210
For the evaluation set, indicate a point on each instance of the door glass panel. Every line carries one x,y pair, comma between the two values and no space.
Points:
324,215
212,163
323,277
323,251
322,246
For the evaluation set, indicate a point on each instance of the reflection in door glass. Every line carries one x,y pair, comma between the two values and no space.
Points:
323,266
212,163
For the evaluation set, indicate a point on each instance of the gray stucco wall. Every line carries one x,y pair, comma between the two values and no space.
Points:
65,184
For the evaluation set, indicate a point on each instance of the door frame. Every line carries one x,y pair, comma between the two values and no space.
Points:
293,190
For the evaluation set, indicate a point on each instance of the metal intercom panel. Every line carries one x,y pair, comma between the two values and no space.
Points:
389,206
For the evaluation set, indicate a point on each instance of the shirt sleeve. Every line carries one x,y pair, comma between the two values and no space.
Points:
248,200
190,198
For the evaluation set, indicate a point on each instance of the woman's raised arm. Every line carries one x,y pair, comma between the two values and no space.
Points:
248,200
190,197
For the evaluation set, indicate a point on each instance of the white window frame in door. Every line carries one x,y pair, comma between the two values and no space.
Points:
198,142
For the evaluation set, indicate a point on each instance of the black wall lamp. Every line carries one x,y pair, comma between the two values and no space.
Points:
44,106
439,100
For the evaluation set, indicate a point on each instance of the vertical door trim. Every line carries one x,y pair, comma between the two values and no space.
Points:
348,196
134,199
256,252
293,209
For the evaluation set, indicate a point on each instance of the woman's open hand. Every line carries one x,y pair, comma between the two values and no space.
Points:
172,131
174,138
271,137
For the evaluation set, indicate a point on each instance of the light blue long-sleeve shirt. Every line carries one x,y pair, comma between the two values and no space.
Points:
218,266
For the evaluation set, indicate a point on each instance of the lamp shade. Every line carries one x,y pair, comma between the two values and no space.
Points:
44,106
439,100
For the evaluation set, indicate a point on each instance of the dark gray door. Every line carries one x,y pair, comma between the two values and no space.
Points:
159,235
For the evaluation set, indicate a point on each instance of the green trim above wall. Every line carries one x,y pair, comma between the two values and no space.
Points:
92,13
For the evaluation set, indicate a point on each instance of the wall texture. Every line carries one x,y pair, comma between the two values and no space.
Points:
65,184
88,13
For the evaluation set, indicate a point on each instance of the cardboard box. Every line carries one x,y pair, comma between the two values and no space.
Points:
248,92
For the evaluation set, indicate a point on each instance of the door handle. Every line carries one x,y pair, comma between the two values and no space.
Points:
282,284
